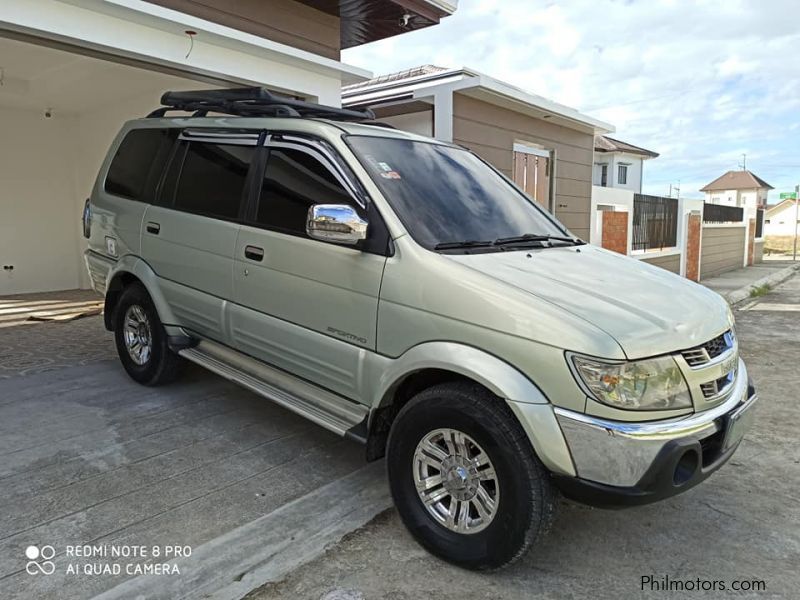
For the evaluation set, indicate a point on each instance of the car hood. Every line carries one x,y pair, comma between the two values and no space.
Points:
646,309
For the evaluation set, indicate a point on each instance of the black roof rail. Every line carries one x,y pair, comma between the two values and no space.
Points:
253,102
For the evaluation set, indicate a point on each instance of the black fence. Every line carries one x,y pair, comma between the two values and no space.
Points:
718,213
759,222
655,222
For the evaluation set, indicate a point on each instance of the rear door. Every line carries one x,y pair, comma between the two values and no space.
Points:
306,306
129,186
189,238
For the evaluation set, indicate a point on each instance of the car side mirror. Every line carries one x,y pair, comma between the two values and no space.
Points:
337,223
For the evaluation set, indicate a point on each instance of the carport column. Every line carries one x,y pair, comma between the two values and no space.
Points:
443,115
692,250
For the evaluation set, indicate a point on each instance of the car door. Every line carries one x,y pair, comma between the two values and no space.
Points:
189,238
306,306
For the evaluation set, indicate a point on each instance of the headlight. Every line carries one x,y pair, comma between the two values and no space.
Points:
652,384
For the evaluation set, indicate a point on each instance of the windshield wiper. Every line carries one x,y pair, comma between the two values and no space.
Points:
462,244
536,238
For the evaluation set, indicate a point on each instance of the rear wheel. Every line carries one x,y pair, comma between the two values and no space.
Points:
465,479
141,339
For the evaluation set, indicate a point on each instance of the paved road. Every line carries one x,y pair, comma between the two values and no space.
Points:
89,457
742,523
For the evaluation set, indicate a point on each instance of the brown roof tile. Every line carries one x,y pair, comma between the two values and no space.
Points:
736,180
603,143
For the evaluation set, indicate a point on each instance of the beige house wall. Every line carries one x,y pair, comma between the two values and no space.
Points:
671,263
284,21
722,250
491,131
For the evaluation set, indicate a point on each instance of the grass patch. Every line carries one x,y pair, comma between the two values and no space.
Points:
760,290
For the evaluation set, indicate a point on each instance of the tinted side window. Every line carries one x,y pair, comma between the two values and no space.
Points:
212,179
138,161
293,181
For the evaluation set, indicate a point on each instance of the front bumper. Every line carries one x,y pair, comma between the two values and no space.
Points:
622,464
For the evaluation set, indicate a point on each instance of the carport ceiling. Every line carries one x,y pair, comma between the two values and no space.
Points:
37,77
364,21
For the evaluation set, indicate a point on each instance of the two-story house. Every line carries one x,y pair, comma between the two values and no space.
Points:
72,71
738,188
619,164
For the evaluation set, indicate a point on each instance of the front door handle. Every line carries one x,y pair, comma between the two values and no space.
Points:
153,228
254,253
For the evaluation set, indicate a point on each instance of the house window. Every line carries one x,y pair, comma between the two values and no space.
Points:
604,175
715,200
622,174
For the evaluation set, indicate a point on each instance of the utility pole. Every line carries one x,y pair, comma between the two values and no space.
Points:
744,162
796,214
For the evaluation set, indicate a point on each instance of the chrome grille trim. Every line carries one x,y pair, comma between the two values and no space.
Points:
711,352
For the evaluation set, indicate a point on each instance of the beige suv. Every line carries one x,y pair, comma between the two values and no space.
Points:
402,293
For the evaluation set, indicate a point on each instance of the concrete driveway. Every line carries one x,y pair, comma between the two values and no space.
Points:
741,524
88,457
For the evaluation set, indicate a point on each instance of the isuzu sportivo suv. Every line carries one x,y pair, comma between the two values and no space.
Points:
403,293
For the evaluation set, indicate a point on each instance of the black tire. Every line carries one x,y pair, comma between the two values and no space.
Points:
162,365
527,497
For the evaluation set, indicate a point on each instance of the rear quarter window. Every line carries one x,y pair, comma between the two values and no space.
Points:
138,163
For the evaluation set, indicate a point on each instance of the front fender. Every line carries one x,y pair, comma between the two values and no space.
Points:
488,370
527,402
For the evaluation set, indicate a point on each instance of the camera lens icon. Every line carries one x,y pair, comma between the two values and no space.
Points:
40,560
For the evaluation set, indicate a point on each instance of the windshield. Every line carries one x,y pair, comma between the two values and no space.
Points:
446,196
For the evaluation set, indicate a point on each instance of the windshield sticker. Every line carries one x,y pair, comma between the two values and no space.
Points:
385,169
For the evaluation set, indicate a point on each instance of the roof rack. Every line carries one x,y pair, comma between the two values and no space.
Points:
252,102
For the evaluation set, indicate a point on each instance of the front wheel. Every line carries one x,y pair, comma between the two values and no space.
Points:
465,479
141,339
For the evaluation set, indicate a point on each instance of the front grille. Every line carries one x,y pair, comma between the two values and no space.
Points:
700,355
712,388
717,346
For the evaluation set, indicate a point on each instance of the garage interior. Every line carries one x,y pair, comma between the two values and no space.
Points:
59,112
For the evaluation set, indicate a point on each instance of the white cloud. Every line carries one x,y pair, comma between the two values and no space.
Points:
698,82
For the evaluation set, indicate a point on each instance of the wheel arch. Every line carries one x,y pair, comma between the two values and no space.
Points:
440,362
128,270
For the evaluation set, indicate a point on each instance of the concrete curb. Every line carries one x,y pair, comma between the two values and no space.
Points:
267,549
743,293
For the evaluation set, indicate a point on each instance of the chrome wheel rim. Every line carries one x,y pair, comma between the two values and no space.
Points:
456,481
137,334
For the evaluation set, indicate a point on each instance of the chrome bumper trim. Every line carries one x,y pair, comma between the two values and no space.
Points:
620,453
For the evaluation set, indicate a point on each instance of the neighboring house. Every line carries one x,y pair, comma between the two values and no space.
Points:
618,164
73,71
545,147
738,188
781,219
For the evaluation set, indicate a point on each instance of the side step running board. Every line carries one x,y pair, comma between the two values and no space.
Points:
320,406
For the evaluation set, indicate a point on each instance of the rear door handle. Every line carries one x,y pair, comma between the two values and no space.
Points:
153,228
254,253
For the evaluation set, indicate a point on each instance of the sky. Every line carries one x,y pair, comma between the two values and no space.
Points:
700,82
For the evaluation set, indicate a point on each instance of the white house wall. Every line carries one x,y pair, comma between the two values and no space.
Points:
781,222
37,203
613,160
